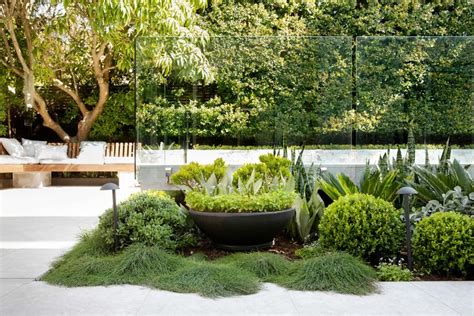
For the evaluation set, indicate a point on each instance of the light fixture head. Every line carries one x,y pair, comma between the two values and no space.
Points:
109,186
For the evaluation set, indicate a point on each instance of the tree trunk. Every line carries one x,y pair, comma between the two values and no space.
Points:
85,125
83,128
48,122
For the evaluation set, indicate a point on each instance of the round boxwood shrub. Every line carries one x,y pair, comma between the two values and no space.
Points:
362,225
151,218
444,244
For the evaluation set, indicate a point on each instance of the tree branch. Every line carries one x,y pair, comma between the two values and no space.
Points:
42,109
27,32
16,45
7,45
13,68
95,57
75,96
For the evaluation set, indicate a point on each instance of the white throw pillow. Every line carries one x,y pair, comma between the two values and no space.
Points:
31,146
92,152
13,147
51,152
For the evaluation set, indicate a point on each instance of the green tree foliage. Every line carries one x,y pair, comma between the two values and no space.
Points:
3,103
117,118
68,43
374,85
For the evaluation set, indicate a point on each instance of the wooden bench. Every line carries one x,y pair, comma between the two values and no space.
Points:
37,175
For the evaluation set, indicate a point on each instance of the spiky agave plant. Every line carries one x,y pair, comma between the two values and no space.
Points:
373,182
431,185
309,206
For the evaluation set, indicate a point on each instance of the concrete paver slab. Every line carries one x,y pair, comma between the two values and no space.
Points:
271,300
393,298
58,201
21,229
27,263
8,285
457,295
39,298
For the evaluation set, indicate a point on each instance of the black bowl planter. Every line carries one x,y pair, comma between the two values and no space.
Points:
242,231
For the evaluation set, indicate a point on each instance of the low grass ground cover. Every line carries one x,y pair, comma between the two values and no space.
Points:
89,264
263,265
338,272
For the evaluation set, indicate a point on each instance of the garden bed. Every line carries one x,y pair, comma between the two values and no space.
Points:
350,243
282,245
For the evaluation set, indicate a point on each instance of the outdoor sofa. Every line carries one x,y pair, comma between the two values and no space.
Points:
32,162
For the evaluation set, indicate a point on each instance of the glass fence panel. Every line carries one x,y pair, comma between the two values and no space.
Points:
347,100
416,90
237,98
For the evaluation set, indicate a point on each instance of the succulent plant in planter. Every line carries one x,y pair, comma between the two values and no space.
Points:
242,216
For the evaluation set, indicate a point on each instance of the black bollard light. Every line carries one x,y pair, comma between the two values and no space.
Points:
407,192
112,187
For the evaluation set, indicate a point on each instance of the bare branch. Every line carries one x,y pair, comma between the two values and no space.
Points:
16,45
74,81
42,109
27,32
75,96
13,68
102,49
107,69
7,45
95,58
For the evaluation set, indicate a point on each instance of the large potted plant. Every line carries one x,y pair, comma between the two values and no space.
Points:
244,213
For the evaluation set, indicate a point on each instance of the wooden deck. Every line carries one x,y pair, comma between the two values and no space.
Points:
15,168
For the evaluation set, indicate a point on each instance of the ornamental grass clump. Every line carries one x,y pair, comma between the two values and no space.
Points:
337,272
444,244
209,280
363,226
142,261
263,265
135,265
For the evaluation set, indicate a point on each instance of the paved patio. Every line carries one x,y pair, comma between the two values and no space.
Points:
38,225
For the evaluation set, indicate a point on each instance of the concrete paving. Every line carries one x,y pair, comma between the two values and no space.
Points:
38,225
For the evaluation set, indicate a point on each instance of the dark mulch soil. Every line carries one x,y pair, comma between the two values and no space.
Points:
282,245
438,278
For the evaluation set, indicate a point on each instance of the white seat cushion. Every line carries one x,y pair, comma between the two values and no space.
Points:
68,161
92,153
13,147
31,146
44,152
10,160
114,160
